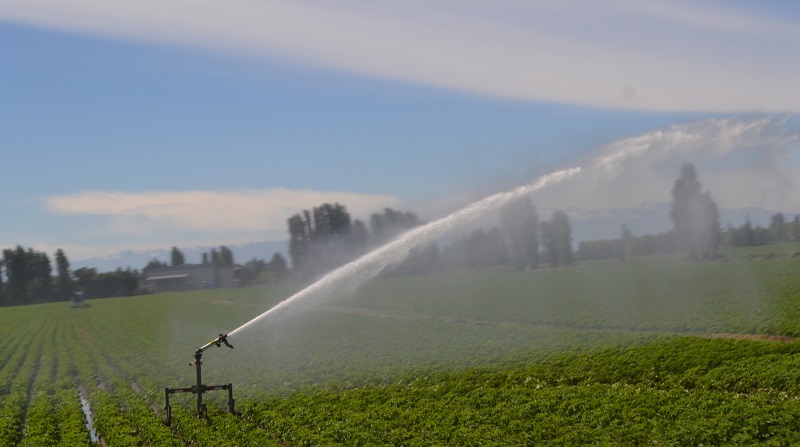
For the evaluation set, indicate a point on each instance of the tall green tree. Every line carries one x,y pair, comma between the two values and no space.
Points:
359,237
626,244
557,239
746,235
330,222
154,264
215,256
176,257
390,223
486,249
29,276
65,288
695,216
277,267
40,288
520,222
109,284
225,255
17,275
85,279
299,243
794,229
480,249
3,295
320,239
778,228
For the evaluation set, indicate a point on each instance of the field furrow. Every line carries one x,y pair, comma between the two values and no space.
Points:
15,404
485,358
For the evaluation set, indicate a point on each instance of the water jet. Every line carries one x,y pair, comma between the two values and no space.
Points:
371,264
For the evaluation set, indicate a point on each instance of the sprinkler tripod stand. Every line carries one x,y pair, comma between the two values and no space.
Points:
199,389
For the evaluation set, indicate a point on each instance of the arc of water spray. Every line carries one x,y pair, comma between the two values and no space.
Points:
722,135
372,263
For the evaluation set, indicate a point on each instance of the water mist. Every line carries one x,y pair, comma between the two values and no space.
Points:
711,139
368,266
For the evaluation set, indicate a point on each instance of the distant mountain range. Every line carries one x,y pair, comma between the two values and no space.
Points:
585,226
138,259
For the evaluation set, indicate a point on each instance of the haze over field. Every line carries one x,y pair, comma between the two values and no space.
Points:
167,123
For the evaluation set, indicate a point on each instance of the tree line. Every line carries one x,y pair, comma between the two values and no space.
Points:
325,237
254,271
26,277
696,229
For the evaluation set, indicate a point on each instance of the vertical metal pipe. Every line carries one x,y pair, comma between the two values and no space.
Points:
197,363
168,408
230,398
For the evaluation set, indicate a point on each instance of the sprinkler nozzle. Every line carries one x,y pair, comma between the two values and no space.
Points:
219,341
223,338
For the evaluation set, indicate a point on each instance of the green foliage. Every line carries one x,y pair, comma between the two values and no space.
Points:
557,239
176,257
107,284
319,240
28,273
64,278
665,393
521,224
600,355
695,216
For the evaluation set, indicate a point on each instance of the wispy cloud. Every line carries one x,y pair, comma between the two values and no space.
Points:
648,55
743,163
238,212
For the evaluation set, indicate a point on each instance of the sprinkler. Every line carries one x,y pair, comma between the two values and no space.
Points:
199,389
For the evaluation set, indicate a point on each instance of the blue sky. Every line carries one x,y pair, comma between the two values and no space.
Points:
158,123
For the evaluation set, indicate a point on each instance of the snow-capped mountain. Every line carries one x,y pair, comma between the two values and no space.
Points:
138,259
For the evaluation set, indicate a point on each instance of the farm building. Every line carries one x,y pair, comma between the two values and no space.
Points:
190,277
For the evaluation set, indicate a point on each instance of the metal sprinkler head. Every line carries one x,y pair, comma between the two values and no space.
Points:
218,342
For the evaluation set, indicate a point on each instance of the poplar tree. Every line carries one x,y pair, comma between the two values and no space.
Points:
557,239
225,255
64,277
695,216
176,257
521,224
320,239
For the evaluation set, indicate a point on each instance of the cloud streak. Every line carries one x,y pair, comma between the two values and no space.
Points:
250,211
743,163
646,55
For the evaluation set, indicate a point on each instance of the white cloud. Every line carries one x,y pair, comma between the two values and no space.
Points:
743,163
235,213
648,55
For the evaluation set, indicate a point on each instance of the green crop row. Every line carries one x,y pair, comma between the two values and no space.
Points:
72,421
41,425
121,417
733,296
557,356
670,393
20,376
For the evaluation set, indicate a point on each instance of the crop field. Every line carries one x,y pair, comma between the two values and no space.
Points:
642,353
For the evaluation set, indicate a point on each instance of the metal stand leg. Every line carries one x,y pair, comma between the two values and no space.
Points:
230,399
168,408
